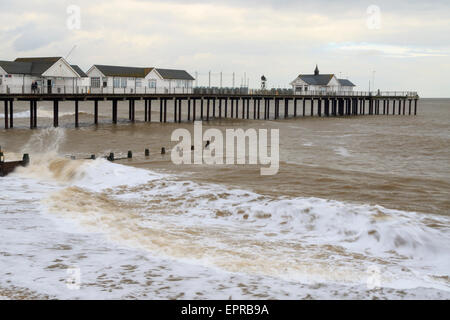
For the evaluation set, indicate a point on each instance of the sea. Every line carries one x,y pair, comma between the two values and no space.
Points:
359,209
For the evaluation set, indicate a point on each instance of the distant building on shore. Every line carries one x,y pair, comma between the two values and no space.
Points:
41,75
119,79
314,83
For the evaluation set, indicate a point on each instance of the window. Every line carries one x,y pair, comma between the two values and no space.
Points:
138,83
95,82
152,83
116,82
123,82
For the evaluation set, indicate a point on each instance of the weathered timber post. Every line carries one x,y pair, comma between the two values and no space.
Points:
31,114
76,114
232,108
201,108
130,107
6,114
55,113
248,108
165,110
286,108
295,107
161,103
175,105
150,110
259,107
319,107
145,110
226,107
189,109
95,111
11,114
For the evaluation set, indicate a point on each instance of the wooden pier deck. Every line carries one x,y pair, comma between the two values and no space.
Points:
213,106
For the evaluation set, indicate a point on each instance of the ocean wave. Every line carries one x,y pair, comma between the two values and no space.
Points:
296,239
45,114
307,239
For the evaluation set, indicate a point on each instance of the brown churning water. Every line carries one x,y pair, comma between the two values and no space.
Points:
352,195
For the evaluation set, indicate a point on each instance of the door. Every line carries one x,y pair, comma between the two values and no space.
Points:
49,86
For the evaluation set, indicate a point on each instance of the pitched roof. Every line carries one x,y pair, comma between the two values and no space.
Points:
13,67
119,71
79,71
171,74
346,83
317,80
40,64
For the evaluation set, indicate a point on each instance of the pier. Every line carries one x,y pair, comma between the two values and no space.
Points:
208,106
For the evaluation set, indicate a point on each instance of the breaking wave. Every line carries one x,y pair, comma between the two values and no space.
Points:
296,239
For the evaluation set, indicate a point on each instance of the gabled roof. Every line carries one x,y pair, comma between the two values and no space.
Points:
171,74
13,67
119,71
346,83
39,65
317,80
79,71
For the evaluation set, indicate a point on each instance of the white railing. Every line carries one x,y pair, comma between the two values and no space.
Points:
57,89
83,90
359,93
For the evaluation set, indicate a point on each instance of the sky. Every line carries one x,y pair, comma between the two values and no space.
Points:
393,45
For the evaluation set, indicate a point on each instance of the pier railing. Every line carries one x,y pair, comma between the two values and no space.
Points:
86,90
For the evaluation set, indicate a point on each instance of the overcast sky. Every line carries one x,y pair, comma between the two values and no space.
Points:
406,43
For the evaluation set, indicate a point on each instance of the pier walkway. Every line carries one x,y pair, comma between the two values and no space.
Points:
212,106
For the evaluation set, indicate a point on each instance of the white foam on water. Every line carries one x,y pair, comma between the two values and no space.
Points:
126,227
23,114
342,151
42,114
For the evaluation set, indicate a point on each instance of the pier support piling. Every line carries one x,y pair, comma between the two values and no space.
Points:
55,113
6,115
11,114
96,112
76,113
